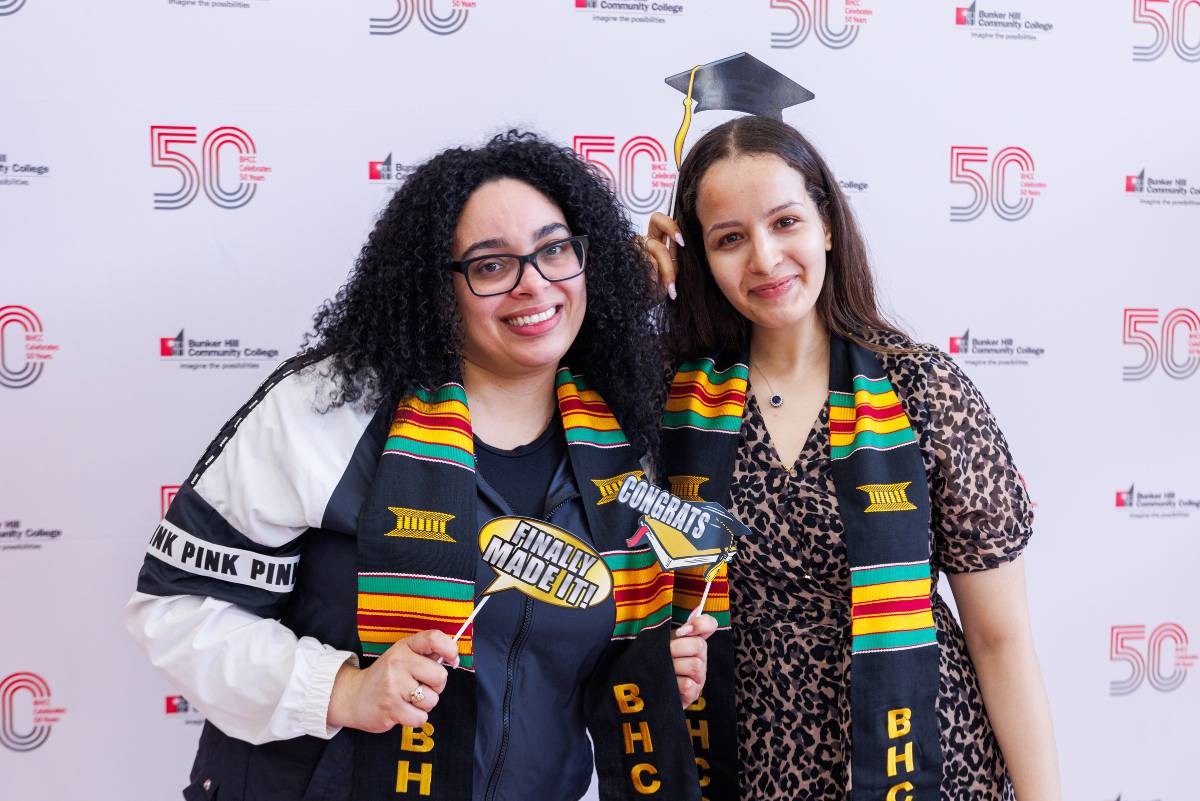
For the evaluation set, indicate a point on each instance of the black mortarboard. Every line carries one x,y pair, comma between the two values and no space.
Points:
737,83
741,83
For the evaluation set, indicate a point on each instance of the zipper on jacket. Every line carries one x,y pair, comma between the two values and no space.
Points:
506,707
511,668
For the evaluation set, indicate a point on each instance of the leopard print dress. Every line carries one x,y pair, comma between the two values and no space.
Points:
790,588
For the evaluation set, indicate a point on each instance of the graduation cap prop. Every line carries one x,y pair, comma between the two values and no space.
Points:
737,83
682,533
709,543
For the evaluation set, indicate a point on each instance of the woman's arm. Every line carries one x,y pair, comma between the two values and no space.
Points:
251,676
995,619
211,625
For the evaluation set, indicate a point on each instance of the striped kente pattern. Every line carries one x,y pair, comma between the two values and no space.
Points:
434,426
704,398
890,609
586,418
641,591
689,588
392,606
868,418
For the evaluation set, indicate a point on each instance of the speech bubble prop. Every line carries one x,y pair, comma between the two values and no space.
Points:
545,562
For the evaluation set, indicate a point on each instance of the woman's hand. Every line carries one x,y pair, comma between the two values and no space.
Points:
385,694
661,240
689,652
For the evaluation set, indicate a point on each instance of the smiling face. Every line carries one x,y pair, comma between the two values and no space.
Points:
530,328
764,239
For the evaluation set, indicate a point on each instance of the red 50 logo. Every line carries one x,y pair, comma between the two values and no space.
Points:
21,366
166,152
1164,662
13,732
1010,192
441,24
1169,28
642,179
1164,349
809,12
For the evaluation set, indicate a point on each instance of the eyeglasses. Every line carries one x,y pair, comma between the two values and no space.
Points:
500,273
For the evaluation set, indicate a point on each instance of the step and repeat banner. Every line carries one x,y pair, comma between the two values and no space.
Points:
182,182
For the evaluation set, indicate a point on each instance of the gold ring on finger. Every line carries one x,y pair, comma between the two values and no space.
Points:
417,694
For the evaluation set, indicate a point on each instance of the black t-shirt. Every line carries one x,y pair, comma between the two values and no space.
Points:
523,475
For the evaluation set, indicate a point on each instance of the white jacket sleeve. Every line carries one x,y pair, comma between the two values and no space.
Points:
249,675
222,564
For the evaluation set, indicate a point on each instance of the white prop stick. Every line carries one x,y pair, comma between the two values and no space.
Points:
703,598
467,622
471,617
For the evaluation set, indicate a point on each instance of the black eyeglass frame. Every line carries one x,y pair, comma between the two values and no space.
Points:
529,258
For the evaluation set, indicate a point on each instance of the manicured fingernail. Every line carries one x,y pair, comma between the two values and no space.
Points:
671,293
684,630
679,238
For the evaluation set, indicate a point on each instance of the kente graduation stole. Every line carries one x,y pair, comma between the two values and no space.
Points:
700,438
417,557
883,497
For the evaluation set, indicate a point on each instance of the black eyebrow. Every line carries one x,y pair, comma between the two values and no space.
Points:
733,224
545,230
484,244
488,244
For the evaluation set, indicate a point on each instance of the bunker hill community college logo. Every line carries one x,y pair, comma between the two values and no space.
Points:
1170,344
15,172
24,350
219,4
179,708
388,171
225,5
1170,25
836,23
1008,183
635,12
216,353
228,171
1163,190
993,351
450,19
27,711
1155,504
999,23
14,536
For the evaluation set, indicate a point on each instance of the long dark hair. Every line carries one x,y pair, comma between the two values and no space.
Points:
702,321
394,324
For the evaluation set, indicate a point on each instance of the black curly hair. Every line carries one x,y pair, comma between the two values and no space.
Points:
394,325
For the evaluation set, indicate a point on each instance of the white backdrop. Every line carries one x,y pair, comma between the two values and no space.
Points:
1069,295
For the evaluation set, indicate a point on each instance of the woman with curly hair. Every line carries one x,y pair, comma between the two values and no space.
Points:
865,464
311,585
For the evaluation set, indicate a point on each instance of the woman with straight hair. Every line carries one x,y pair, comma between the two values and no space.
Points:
866,466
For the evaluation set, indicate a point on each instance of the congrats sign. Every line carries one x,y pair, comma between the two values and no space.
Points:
543,561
